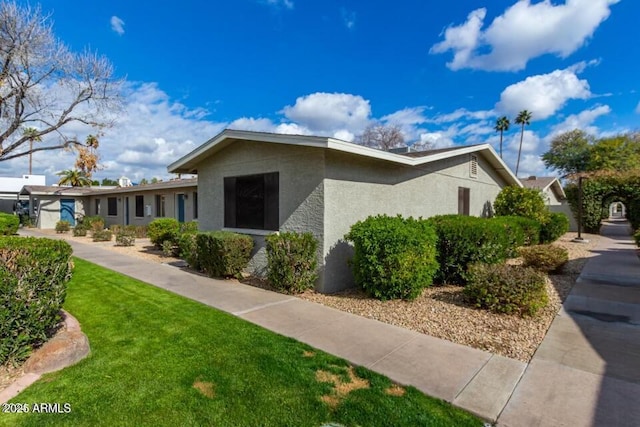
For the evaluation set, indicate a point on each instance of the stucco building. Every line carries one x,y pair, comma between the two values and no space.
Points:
260,183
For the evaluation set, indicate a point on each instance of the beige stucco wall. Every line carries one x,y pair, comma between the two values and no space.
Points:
301,171
356,187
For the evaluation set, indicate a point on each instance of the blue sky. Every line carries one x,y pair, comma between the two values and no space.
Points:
444,73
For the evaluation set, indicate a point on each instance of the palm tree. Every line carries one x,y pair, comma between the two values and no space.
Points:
33,136
523,118
74,178
502,125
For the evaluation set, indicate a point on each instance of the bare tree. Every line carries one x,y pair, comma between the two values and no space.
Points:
45,87
381,136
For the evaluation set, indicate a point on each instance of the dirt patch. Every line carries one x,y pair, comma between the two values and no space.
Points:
308,354
341,388
395,390
206,388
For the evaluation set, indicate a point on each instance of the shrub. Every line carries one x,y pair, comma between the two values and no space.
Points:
518,201
162,229
547,258
102,236
33,277
63,226
80,230
139,231
505,288
189,227
394,257
292,261
554,227
636,237
90,221
168,248
125,238
116,228
523,231
187,249
9,224
223,253
464,240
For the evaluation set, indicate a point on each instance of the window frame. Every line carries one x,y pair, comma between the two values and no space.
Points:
161,206
139,208
464,201
235,198
113,200
195,204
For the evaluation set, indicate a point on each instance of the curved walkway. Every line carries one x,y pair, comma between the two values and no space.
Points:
585,373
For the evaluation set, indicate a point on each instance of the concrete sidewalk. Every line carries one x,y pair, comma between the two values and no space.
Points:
586,372
475,380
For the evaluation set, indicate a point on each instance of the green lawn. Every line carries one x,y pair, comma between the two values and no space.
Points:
160,359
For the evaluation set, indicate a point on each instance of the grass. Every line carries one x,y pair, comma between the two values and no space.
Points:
161,359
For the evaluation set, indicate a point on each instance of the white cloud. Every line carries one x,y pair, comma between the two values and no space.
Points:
348,18
406,116
436,139
344,135
117,25
543,94
524,31
463,113
582,120
323,113
287,4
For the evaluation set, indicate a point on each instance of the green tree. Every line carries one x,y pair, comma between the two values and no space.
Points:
74,178
523,119
502,125
46,86
143,181
569,152
616,153
109,182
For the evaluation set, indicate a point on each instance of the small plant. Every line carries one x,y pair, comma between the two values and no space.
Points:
223,253
292,261
9,224
63,226
80,230
555,226
139,231
636,237
125,238
116,228
505,288
547,258
168,248
393,257
162,229
102,236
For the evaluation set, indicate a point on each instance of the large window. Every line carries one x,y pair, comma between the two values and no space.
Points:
463,200
139,206
112,206
160,211
252,201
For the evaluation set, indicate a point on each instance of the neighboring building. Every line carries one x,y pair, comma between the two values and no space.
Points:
10,189
260,183
137,205
554,196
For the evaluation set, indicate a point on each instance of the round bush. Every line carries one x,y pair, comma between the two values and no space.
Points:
292,261
519,201
394,257
505,288
547,258
163,229
555,226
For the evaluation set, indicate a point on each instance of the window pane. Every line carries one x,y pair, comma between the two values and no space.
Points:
112,206
250,202
139,206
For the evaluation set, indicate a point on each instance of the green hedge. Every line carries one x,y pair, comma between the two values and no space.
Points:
524,231
519,201
393,257
9,224
464,240
506,288
223,253
188,249
292,261
33,279
554,227
162,229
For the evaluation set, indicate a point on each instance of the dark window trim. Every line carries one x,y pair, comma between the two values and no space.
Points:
271,203
195,205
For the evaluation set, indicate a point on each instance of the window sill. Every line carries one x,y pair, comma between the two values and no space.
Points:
251,231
